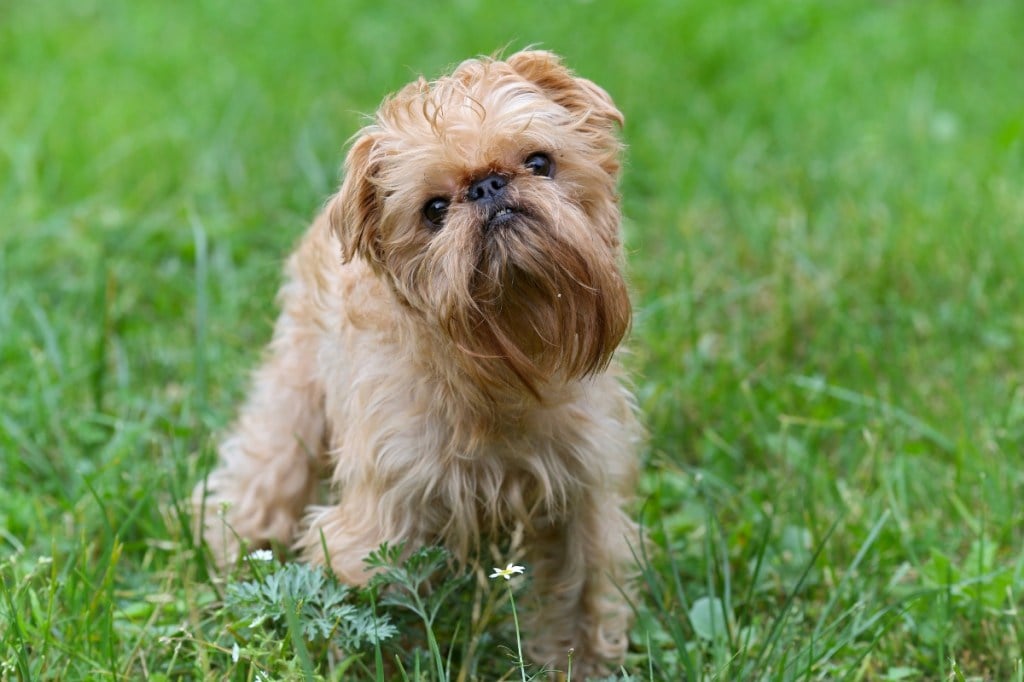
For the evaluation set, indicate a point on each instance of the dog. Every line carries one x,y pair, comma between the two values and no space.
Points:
447,353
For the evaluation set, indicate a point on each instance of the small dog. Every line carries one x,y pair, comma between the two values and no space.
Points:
446,351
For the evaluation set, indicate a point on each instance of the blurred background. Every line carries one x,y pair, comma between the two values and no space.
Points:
824,214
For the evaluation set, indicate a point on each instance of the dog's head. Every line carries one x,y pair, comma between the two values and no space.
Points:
487,199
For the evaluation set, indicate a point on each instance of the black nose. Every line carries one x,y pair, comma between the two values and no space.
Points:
488,189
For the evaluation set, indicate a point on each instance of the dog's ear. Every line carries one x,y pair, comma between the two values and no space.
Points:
354,212
580,96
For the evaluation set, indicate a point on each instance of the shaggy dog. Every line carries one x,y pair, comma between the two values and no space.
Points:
446,353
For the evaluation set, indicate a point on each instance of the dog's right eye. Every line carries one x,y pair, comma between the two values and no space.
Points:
435,210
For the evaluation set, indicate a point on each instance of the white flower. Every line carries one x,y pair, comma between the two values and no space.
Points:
261,555
506,572
234,653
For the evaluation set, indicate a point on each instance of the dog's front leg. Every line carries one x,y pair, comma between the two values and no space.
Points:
266,469
343,535
580,572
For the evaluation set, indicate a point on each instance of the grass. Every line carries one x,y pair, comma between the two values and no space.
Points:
824,223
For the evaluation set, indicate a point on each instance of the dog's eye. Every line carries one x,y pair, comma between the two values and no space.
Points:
435,210
540,164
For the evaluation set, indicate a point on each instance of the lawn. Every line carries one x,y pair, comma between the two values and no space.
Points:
825,227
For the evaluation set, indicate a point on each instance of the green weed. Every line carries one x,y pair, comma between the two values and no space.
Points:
824,216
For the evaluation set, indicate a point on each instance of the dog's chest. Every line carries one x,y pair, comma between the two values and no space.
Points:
522,475
398,432
501,489
515,480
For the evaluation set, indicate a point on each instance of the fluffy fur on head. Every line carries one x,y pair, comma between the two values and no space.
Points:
537,299
446,351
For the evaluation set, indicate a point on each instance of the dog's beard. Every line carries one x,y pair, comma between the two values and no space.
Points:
529,295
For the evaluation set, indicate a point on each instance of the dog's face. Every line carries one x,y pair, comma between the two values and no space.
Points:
487,201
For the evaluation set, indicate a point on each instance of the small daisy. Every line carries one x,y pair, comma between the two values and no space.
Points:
506,572
261,555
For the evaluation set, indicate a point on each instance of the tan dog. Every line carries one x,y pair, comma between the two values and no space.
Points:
446,351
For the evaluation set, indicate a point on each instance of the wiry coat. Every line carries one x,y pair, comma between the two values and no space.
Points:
457,380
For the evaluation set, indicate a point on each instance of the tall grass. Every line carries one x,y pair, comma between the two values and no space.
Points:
824,230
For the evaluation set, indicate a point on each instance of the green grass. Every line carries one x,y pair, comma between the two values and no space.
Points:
826,235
